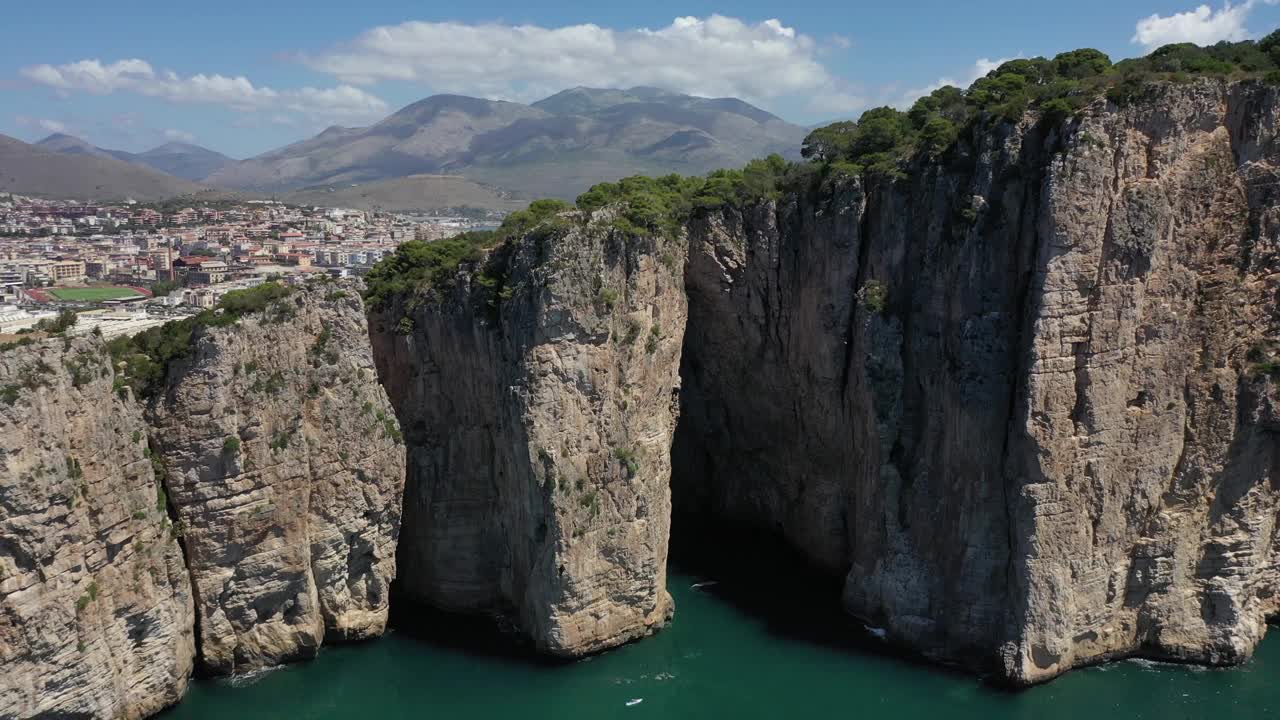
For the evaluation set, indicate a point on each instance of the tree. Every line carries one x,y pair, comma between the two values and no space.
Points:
830,142
1271,46
881,129
937,135
1081,64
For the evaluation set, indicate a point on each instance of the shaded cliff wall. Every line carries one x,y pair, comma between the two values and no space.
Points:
285,467
95,604
539,414
1013,395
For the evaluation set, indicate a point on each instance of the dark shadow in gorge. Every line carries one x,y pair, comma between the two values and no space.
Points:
759,575
475,635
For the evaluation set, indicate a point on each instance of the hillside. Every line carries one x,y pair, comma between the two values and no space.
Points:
38,171
416,192
183,160
558,146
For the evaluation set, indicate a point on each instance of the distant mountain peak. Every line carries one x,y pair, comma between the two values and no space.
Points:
177,146
55,137
179,159
60,139
558,146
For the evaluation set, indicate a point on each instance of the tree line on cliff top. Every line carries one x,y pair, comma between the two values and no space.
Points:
879,145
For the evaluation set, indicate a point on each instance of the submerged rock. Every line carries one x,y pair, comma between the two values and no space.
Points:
538,400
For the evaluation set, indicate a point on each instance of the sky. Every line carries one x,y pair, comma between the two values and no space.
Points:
243,77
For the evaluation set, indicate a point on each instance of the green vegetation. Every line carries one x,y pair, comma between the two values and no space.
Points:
418,265
628,460
280,441
880,146
874,296
163,287
94,294
231,445
645,206
81,368
59,325
884,139
15,344
607,296
632,332
1267,368
143,359
270,385
391,430
321,351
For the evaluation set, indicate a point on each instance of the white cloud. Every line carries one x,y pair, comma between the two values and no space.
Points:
841,42
716,55
179,135
138,76
838,102
1202,26
980,68
44,125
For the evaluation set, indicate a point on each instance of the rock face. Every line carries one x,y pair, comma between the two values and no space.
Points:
95,604
539,413
1019,399
285,467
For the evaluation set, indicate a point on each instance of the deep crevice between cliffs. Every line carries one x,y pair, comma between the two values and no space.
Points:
176,528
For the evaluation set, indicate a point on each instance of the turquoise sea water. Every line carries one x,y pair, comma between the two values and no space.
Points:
724,656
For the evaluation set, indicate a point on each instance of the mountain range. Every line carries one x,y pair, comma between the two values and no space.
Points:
70,172
558,146
180,159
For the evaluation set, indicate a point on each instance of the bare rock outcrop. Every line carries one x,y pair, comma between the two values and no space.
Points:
284,465
537,394
95,603
1020,398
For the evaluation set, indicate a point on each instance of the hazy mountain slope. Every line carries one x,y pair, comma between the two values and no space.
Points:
33,170
416,192
557,146
72,145
425,137
183,160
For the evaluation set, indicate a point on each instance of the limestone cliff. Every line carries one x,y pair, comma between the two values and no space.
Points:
1019,398
285,467
537,399
95,604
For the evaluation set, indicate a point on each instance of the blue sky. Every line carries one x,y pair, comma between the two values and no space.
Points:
244,77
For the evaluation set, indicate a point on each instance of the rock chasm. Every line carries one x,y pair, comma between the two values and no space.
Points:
1020,400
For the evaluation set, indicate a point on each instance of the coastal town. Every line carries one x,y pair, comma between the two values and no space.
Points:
129,266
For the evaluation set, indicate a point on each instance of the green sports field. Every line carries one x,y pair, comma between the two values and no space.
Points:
93,294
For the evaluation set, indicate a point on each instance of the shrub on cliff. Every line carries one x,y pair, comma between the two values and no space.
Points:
142,360
883,140
59,325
